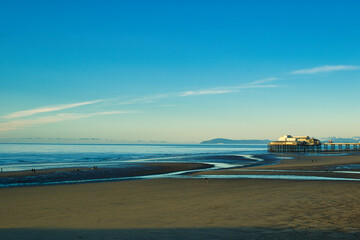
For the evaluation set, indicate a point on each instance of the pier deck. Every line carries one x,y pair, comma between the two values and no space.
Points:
324,147
341,147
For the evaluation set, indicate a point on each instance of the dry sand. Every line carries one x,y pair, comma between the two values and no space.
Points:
186,209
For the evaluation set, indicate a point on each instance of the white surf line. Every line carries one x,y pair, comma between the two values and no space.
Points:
246,156
354,172
251,157
154,159
216,166
276,170
280,177
294,171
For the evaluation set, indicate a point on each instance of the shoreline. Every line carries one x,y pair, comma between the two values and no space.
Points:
83,175
296,165
129,171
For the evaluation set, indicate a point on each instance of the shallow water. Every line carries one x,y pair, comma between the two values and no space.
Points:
19,157
129,157
22,157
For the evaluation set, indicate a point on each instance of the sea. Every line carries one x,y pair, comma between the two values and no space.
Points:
120,162
25,157
22,157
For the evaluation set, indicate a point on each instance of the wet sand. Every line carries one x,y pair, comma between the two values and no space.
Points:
60,175
309,162
187,208
301,165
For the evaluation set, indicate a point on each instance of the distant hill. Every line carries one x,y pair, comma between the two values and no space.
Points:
230,141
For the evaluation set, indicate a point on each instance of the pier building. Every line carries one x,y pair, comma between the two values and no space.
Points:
288,143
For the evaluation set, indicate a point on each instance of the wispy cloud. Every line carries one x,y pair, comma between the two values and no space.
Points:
108,113
207,91
153,98
327,68
231,89
46,109
146,99
19,124
265,80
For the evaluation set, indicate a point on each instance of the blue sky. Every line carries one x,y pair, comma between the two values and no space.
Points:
179,71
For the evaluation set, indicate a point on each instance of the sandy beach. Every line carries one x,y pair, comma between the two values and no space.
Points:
189,208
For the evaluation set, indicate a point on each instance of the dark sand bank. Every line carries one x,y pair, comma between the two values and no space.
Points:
60,175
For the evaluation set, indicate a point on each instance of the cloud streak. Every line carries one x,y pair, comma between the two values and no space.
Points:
205,92
31,112
208,91
327,68
19,124
265,80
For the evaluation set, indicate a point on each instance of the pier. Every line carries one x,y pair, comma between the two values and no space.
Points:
286,147
324,147
341,147
287,143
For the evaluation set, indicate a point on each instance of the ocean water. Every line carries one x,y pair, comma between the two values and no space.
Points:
121,160
19,157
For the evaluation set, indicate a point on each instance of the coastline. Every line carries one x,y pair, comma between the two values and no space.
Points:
77,175
291,166
132,170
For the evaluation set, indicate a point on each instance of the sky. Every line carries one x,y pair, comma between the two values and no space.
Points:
179,71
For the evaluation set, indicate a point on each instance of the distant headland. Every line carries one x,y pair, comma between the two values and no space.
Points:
231,141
